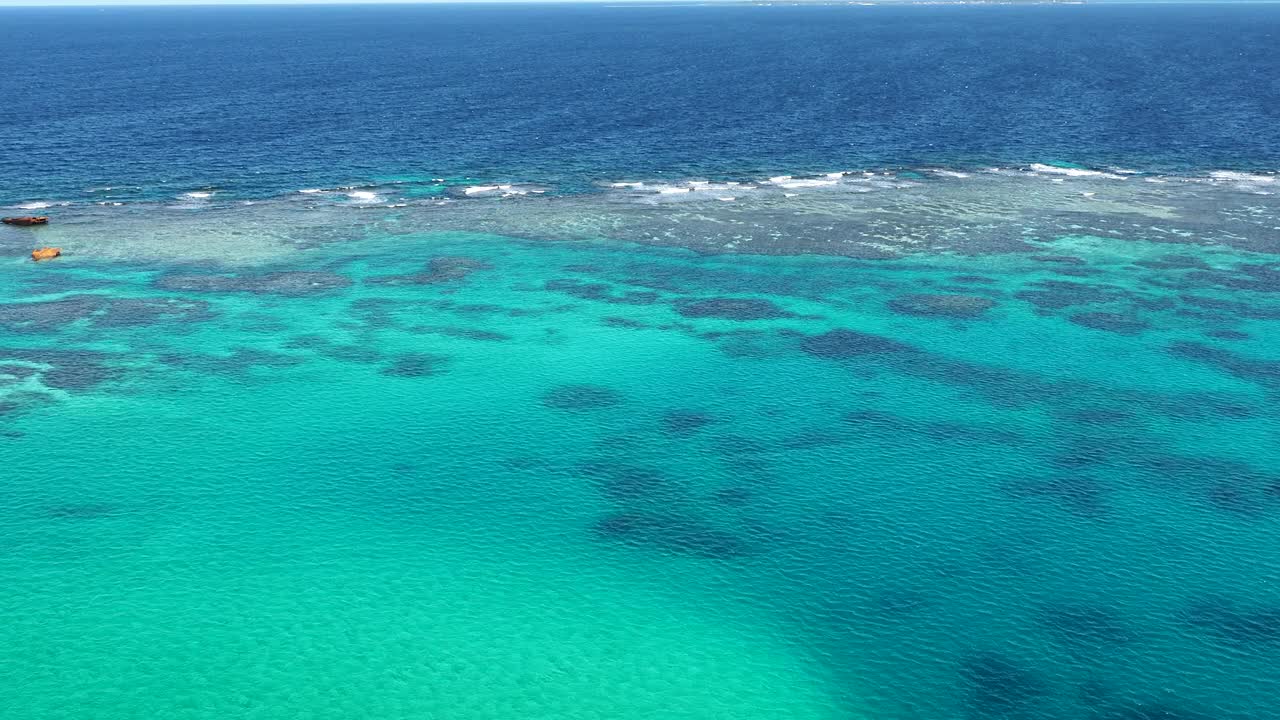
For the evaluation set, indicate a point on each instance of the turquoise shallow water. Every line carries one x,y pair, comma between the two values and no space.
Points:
459,475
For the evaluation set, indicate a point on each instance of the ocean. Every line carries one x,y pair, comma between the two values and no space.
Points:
585,362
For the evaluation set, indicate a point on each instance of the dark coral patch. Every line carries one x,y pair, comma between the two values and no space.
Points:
291,283
734,496
1174,262
670,533
581,397
941,305
1231,307
1083,625
1097,416
73,370
142,312
1059,259
416,365
953,432
1119,323
100,311
1258,278
439,270
973,280
742,309
17,372
629,483
1229,335
685,422
1060,294
48,315
1077,494
1203,405
78,375
601,292
1265,372
464,333
239,361
840,344
998,687
1196,471
615,321
1229,621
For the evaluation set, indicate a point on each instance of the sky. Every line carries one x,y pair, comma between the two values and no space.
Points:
22,3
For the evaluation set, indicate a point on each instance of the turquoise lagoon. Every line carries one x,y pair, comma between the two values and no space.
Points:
922,455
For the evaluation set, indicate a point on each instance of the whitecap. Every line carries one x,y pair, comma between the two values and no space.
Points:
363,195
34,206
481,189
794,184
726,199
311,191
198,195
1242,177
1071,172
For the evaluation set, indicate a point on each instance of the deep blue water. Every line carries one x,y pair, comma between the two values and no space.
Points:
263,99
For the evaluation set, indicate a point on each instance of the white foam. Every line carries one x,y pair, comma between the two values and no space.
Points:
1242,177
34,206
481,189
198,195
626,185
1072,172
726,199
809,183
311,191
949,174
363,195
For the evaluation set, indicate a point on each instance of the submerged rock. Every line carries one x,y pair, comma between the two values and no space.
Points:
26,220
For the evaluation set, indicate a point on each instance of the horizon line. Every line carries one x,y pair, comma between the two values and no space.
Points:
614,3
